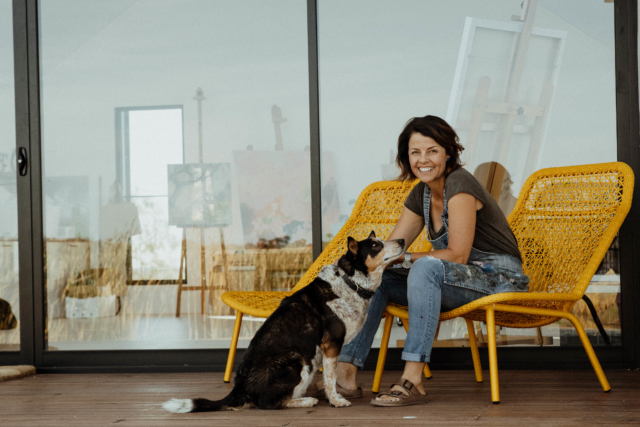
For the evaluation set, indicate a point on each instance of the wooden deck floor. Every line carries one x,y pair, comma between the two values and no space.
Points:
550,398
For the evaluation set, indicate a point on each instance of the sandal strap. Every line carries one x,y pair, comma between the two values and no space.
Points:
404,386
398,393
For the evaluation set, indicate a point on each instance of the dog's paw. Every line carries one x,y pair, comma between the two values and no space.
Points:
314,401
340,402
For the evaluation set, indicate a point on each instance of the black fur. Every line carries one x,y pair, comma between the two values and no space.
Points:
288,340
271,366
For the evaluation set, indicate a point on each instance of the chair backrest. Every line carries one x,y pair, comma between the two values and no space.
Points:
378,208
565,220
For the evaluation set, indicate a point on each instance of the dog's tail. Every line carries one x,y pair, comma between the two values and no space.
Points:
182,406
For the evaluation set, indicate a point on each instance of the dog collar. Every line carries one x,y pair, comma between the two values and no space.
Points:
364,293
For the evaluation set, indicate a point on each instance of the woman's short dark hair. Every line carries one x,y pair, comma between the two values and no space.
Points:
432,127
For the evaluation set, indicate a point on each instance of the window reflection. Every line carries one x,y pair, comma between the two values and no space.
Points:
175,165
506,77
9,276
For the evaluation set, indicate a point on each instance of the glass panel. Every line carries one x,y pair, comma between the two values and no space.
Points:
9,292
549,97
175,143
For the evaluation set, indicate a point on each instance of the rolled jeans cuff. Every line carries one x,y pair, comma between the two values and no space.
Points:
349,359
412,357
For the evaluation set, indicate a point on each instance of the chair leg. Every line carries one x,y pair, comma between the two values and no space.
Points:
382,356
592,355
232,349
426,370
493,355
477,366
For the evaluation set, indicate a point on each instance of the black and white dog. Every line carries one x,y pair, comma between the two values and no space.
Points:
308,328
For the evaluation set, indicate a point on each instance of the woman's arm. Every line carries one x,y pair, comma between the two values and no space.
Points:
408,228
462,225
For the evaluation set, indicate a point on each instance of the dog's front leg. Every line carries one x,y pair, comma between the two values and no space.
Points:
329,366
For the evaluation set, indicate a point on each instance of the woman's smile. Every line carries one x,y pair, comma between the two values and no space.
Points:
427,158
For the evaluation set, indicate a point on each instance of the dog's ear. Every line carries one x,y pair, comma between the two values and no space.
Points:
372,235
352,244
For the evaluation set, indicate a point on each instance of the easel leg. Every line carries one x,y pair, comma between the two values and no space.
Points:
203,277
223,248
183,254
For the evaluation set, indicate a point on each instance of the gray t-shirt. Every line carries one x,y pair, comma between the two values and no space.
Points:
493,233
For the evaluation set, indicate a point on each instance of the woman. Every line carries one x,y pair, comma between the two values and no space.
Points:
475,254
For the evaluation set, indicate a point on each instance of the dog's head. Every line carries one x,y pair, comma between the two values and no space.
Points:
370,255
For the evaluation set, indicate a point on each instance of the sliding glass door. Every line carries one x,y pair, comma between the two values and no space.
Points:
175,167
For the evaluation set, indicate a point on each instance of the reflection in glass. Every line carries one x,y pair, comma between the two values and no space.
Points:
137,257
509,78
9,283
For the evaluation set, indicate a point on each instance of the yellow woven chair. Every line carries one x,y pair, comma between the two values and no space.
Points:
564,220
378,208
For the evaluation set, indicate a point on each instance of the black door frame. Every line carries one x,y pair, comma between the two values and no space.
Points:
30,226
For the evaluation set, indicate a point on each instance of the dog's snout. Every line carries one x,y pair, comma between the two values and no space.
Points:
401,242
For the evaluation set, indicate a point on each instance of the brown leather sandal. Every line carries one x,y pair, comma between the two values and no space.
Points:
412,397
318,393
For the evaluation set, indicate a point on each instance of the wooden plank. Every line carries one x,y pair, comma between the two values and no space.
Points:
568,398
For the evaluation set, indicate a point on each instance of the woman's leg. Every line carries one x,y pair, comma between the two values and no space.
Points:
427,295
392,289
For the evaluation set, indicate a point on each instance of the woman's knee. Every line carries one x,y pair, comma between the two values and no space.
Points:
426,270
428,265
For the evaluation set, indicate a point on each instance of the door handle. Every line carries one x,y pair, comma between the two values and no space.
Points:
22,161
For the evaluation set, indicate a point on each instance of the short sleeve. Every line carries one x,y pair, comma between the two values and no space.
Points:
461,181
415,199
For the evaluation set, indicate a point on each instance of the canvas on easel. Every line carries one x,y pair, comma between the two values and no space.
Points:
199,197
503,90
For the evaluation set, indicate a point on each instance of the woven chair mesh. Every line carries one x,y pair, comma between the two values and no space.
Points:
378,209
564,221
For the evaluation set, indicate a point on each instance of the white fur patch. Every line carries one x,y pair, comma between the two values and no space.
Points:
349,306
178,406
305,402
329,376
306,375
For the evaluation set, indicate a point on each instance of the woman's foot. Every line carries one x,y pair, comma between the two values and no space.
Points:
413,375
403,394
389,397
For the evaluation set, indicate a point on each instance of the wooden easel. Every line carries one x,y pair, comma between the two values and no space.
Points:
203,277
509,109
183,264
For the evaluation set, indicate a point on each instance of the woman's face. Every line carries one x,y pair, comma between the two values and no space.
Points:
427,158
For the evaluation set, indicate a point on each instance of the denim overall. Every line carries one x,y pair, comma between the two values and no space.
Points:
484,272
431,287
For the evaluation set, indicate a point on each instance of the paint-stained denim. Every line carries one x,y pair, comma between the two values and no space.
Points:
426,294
431,287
